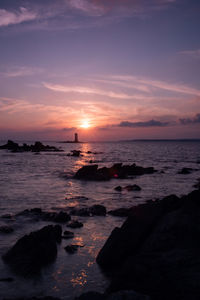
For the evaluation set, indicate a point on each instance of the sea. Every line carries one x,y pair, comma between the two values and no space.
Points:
45,180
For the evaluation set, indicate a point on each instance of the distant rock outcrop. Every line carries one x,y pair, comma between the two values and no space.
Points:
37,147
116,171
156,250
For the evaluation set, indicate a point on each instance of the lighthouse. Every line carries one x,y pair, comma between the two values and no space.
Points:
76,138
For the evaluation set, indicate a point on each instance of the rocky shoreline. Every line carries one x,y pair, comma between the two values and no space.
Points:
153,255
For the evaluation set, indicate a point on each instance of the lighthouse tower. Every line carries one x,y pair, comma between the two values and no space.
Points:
76,138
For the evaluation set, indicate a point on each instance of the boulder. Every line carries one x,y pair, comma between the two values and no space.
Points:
118,188
116,171
71,249
95,210
75,224
156,250
68,234
33,251
120,212
185,171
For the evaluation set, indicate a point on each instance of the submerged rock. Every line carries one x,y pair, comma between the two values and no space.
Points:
133,187
68,234
33,251
37,213
120,212
186,171
75,224
92,172
118,188
156,250
71,249
6,229
95,210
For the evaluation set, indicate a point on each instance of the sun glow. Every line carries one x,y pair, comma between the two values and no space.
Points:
85,124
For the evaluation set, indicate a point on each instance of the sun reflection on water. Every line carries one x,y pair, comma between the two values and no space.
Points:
80,279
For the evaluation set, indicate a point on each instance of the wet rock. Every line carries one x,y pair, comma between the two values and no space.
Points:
98,210
75,224
37,213
133,187
33,251
68,234
185,171
118,188
7,279
95,210
120,212
157,249
71,249
37,147
7,216
116,171
75,153
6,229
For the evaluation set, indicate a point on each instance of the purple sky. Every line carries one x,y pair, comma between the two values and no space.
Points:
127,68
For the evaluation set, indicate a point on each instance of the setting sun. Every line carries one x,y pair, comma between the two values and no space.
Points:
85,124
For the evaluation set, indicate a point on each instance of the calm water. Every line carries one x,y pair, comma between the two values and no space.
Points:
28,180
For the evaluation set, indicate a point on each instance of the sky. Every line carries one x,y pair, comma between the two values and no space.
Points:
107,69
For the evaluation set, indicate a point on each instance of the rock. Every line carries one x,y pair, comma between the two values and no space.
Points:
133,187
75,224
7,216
33,251
91,296
95,210
75,153
34,298
116,171
68,234
120,212
37,147
57,217
6,229
7,279
118,188
98,210
71,249
156,250
185,171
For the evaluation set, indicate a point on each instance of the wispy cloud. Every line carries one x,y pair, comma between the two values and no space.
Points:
20,71
191,53
150,123
178,88
188,121
86,90
15,17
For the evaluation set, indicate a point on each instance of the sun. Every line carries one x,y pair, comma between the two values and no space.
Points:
85,124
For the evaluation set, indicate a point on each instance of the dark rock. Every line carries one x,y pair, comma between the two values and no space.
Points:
7,216
75,224
7,279
68,234
98,210
116,171
157,249
37,147
91,296
95,210
75,153
118,188
6,229
120,212
33,251
71,249
133,187
185,171
57,217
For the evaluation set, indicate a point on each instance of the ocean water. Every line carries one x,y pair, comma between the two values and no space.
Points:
46,180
